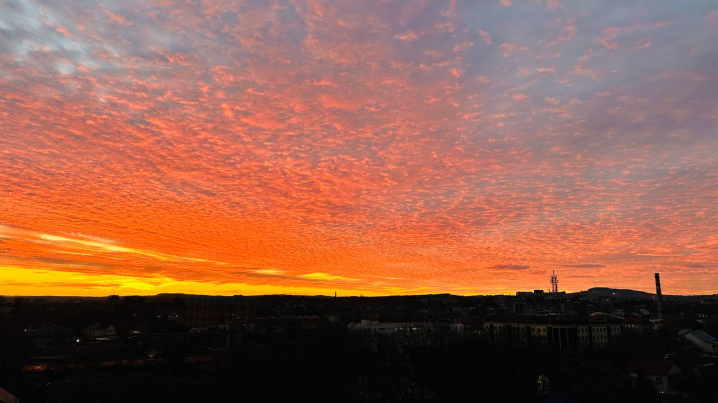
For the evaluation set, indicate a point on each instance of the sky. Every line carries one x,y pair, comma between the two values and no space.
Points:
364,147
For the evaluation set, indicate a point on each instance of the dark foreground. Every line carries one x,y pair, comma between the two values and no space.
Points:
301,350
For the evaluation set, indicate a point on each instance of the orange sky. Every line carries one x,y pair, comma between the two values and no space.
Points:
368,148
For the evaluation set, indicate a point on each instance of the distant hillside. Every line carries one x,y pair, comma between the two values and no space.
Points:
614,292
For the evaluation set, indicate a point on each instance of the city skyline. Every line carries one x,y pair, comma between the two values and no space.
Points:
368,148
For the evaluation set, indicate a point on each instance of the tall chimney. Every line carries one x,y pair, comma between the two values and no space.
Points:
659,296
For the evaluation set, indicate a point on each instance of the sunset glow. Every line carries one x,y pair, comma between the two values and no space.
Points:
363,147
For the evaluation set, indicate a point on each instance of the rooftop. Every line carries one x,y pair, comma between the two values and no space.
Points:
700,334
553,319
651,367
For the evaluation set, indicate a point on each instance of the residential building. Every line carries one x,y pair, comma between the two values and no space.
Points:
638,324
376,326
703,340
383,327
658,372
562,333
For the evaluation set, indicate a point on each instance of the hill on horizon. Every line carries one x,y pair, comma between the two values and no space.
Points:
614,292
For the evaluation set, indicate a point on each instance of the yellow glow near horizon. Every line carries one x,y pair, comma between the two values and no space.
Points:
39,282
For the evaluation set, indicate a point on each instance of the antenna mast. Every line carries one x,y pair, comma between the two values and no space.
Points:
554,282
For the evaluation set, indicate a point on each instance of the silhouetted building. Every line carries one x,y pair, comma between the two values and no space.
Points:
560,333
568,308
672,324
658,372
703,340
638,324
382,327
376,326
517,308
212,311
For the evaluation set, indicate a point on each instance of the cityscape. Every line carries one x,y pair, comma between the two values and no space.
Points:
543,345
359,201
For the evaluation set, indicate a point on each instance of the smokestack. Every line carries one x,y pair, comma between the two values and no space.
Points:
659,296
